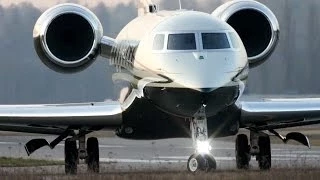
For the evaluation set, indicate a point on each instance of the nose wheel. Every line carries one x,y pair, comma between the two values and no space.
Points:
199,162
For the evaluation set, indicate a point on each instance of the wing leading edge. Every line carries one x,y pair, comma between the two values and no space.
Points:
82,114
278,113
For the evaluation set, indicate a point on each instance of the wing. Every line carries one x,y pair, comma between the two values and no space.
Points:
58,119
275,113
47,118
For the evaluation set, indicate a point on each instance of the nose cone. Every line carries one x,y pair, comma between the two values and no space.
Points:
186,102
196,82
205,90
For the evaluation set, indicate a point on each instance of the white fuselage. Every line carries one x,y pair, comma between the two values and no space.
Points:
186,50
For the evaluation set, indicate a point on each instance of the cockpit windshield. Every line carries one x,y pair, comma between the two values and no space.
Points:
195,41
215,41
185,41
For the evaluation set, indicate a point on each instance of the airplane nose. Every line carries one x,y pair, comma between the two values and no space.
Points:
205,90
203,82
186,102
202,76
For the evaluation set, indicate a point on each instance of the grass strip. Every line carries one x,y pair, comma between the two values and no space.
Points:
21,162
275,174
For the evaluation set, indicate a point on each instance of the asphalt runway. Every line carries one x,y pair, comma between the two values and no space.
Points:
119,155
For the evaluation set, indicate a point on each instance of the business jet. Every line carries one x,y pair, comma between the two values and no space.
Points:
181,74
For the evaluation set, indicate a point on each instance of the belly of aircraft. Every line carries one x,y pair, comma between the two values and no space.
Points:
186,102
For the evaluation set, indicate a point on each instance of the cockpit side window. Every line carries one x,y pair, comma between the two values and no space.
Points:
185,41
215,41
234,40
158,42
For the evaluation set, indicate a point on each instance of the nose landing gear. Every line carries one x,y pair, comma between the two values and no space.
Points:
201,160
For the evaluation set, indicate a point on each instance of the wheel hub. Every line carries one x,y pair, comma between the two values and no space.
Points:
193,164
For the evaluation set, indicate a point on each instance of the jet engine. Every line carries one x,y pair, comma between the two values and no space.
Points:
67,38
256,25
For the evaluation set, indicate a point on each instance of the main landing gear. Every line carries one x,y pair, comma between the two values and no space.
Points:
201,160
73,154
260,147
73,151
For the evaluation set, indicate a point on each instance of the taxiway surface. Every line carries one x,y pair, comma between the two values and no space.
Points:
117,155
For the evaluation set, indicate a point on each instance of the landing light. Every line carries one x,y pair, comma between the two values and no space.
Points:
203,147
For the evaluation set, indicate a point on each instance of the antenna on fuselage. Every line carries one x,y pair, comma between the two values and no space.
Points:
180,6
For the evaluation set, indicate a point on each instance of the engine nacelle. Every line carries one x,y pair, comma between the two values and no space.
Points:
67,37
256,25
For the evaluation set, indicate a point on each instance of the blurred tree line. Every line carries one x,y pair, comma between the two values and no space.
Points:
293,68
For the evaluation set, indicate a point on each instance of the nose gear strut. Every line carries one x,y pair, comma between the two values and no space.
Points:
201,160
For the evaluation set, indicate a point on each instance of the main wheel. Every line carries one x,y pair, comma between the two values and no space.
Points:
70,156
242,152
264,157
93,155
199,162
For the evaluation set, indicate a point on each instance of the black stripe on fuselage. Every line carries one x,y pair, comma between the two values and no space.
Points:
186,102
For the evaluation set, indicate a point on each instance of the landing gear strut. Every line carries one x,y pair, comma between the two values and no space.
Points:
89,153
201,160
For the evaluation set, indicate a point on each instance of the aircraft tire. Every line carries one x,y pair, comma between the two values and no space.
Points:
264,157
71,156
93,155
242,152
200,162
211,163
